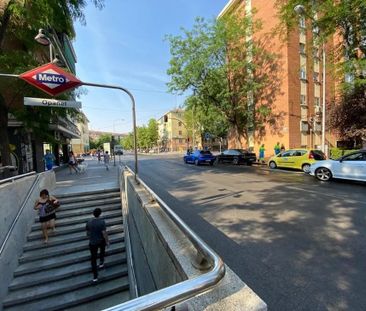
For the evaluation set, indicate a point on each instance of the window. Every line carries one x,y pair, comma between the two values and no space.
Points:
302,48
287,154
316,53
359,156
179,123
180,140
316,101
316,77
302,23
180,132
303,100
302,74
315,30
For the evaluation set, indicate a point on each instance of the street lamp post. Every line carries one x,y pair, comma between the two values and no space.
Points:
300,10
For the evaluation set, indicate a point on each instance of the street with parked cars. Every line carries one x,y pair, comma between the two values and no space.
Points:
286,233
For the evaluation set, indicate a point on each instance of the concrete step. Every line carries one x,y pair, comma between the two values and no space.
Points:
62,260
75,297
88,198
90,204
64,286
62,213
102,303
86,193
36,241
65,248
59,273
79,219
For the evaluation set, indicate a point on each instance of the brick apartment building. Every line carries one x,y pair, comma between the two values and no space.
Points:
299,101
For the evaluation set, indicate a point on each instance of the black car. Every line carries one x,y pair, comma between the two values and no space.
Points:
237,156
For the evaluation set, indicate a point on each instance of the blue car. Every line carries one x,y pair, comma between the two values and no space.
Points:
198,157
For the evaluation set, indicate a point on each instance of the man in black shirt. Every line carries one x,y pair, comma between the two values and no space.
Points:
98,239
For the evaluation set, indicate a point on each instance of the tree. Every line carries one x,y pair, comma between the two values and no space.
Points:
234,75
348,116
127,142
152,132
202,119
344,18
19,22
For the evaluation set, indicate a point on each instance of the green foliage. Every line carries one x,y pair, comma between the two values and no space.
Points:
336,153
233,75
345,18
348,115
127,142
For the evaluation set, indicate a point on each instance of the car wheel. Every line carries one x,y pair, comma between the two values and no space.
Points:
272,165
306,168
196,162
323,174
235,161
212,163
249,163
185,161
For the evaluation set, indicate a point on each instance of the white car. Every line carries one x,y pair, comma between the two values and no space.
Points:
351,166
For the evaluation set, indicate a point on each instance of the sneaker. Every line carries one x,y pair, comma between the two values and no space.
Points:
101,266
95,280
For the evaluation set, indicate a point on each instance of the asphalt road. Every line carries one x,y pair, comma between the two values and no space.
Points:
298,243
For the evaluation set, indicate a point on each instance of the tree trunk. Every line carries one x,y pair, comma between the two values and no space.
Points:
4,24
4,139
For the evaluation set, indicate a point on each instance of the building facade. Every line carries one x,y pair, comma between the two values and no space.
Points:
81,145
298,103
173,132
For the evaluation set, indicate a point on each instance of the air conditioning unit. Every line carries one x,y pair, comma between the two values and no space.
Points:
318,110
57,136
304,126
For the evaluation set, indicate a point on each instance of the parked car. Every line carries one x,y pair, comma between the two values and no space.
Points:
237,156
296,158
351,166
199,157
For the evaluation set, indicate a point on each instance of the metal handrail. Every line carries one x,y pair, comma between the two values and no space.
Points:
18,215
181,291
11,179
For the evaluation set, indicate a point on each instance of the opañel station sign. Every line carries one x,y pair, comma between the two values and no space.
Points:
47,102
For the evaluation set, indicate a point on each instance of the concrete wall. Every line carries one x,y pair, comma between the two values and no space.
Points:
163,256
12,196
155,267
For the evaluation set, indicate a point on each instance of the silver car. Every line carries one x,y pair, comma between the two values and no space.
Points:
351,166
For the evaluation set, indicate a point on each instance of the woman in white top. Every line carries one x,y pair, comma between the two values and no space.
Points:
72,163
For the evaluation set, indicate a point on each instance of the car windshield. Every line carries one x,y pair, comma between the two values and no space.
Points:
318,155
204,152
242,151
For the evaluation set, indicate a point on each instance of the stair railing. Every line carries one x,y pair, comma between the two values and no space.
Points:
12,179
21,208
207,259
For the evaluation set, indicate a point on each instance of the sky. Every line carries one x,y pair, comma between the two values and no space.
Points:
123,44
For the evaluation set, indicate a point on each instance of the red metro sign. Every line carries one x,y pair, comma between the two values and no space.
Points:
51,79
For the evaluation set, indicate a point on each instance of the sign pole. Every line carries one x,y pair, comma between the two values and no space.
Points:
59,73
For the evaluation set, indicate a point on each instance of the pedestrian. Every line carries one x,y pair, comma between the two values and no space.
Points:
106,160
72,163
46,206
98,240
261,154
277,148
48,159
282,148
98,155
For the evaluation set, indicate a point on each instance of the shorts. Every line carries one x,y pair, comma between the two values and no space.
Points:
47,217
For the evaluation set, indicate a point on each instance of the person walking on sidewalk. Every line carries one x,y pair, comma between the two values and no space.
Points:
73,163
98,240
106,160
261,154
48,159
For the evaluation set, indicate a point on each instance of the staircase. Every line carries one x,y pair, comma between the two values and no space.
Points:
58,276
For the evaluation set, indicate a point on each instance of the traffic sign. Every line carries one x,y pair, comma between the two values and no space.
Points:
47,102
51,79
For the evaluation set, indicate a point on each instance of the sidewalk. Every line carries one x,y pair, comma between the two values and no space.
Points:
96,177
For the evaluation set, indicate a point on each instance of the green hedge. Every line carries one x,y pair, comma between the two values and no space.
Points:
336,153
